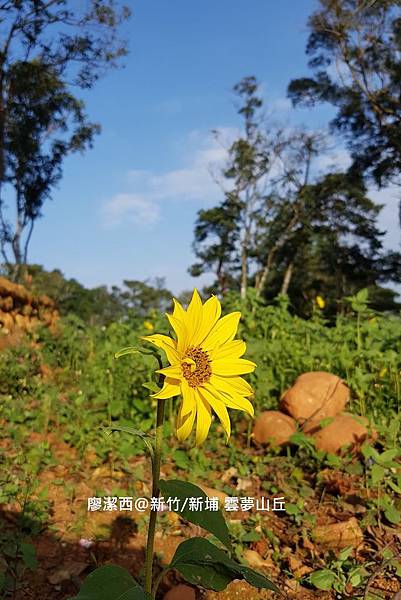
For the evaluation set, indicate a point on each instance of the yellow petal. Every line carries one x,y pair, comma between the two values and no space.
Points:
203,419
224,331
233,349
231,400
178,311
181,332
185,422
239,403
195,315
218,407
232,384
211,312
170,388
236,366
188,398
165,343
173,372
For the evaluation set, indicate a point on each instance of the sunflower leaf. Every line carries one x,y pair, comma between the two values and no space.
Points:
201,563
131,431
133,350
152,386
211,520
111,582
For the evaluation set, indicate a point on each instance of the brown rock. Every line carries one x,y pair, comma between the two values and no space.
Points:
255,561
297,566
6,303
27,310
180,592
315,395
344,430
67,571
21,321
338,535
273,426
6,320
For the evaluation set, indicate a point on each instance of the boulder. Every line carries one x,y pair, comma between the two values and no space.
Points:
273,426
6,320
335,536
344,430
6,303
315,395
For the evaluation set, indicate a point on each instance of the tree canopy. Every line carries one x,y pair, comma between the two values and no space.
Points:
48,50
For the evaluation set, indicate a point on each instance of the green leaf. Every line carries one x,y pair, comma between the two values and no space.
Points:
387,458
322,579
251,536
212,521
131,431
29,556
345,553
201,563
111,582
133,350
292,509
152,386
392,514
370,452
181,459
256,579
378,473
396,488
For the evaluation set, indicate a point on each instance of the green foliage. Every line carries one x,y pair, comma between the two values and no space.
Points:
342,571
111,583
42,121
291,229
354,55
212,521
201,563
86,390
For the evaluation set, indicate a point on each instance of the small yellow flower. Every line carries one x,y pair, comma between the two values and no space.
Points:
205,366
320,302
148,325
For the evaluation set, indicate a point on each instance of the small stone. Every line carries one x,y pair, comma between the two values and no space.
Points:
335,536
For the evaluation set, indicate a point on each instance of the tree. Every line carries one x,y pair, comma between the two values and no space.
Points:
354,48
215,244
341,251
48,49
140,298
224,234
285,210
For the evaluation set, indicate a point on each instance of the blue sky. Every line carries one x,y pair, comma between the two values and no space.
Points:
126,209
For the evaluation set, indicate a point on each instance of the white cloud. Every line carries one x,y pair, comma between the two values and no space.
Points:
339,160
388,218
194,182
281,105
131,208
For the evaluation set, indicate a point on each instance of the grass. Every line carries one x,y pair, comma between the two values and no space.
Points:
58,391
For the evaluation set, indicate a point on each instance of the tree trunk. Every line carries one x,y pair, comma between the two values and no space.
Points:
265,272
244,270
287,279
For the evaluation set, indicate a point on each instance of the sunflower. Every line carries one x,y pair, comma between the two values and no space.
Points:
205,366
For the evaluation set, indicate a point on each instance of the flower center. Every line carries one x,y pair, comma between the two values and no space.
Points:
196,366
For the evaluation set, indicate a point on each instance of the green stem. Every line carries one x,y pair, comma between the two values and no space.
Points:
158,581
155,494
